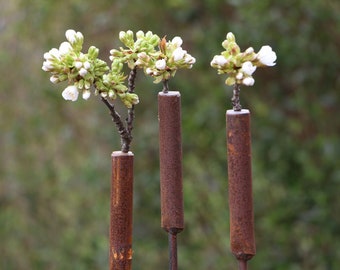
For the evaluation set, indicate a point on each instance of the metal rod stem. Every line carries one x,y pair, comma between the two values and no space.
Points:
242,265
172,250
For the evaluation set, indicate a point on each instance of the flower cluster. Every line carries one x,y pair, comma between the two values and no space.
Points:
164,63
83,70
144,43
141,53
240,66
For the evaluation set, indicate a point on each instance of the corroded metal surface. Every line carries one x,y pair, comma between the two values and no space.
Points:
170,151
242,240
121,211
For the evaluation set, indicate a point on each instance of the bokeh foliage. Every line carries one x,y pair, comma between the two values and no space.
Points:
55,155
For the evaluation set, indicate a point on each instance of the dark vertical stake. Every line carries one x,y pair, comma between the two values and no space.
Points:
121,211
242,240
170,152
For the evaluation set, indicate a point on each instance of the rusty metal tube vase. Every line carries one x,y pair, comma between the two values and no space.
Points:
121,211
170,152
242,240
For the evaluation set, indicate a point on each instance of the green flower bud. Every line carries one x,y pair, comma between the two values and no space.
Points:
139,34
230,37
230,81
112,94
93,52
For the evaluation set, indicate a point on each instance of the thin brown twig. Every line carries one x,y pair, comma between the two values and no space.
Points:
131,111
236,98
116,118
165,86
124,132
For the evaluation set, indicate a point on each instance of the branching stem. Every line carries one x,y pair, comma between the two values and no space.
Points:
131,111
236,98
125,132
116,118
165,86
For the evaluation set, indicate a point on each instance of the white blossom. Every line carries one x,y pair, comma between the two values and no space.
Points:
239,76
82,72
139,34
86,94
112,94
71,36
178,54
54,79
87,65
78,64
230,37
139,62
160,64
189,59
79,36
142,55
47,65
248,81
267,56
122,35
65,48
177,41
248,68
148,71
70,93
53,53
250,50
219,60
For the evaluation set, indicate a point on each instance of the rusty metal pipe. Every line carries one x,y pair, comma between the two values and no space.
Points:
121,211
170,152
242,240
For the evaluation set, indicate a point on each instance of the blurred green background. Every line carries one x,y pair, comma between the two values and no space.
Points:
55,155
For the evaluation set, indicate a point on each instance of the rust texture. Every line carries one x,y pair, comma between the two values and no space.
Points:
121,211
170,151
242,240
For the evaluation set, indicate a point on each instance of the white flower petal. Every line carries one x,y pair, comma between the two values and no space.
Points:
239,76
65,48
78,64
160,64
70,93
219,60
248,81
47,65
79,36
177,41
178,54
249,50
189,59
86,94
82,72
52,54
148,71
87,65
54,79
267,56
248,68
71,36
